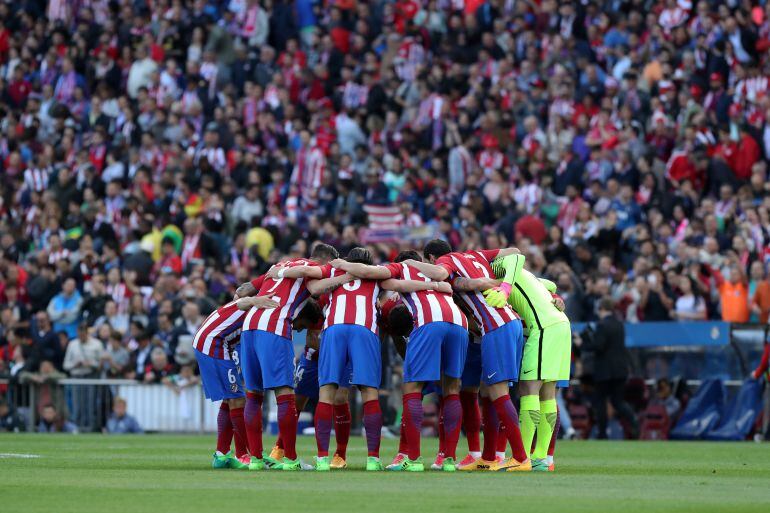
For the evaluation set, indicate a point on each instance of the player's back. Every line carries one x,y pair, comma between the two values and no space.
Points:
427,306
220,331
474,265
290,293
354,302
534,302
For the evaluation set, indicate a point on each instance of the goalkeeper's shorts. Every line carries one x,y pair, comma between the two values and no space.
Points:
547,353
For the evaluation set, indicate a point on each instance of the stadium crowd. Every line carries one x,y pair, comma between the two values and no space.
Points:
155,154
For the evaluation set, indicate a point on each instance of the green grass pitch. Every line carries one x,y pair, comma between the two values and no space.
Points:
170,473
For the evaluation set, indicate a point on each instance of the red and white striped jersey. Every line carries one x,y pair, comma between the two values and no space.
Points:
308,173
476,264
220,332
290,293
427,306
352,303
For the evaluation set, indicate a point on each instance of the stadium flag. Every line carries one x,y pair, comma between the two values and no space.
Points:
387,224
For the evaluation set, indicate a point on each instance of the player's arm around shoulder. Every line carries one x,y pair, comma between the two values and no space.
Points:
432,271
300,271
407,286
474,284
264,302
363,271
326,285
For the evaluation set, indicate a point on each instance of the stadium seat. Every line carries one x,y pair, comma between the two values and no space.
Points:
581,420
702,413
655,423
738,419
636,393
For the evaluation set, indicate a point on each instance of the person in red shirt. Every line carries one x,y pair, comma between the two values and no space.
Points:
170,263
19,87
746,154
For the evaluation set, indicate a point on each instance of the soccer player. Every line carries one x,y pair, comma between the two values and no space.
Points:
216,349
546,357
306,387
350,336
267,353
436,351
501,340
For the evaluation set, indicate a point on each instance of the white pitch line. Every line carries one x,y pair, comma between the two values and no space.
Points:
17,455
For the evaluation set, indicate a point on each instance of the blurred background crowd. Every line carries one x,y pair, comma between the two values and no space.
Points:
157,153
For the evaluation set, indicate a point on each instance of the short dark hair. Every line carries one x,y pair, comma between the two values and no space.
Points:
407,255
400,321
437,248
606,304
360,256
311,312
325,251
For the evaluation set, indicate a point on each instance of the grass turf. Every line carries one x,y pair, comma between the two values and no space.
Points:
171,473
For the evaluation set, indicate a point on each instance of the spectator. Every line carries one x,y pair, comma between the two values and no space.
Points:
83,355
689,306
733,292
115,358
158,368
64,308
47,341
611,366
121,422
52,421
759,292
664,397
10,421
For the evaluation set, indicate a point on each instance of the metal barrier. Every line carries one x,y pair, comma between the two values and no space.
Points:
88,404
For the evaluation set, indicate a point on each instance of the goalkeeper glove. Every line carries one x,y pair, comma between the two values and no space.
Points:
498,296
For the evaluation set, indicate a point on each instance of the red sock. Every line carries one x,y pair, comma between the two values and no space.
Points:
224,428
490,429
252,415
279,441
287,424
323,427
441,432
342,419
453,414
413,414
239,428
506,412
471,419
403,445
555,435
373,426
502,438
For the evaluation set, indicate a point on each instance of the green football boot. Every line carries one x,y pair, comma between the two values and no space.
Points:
221,460
257,464
407,465
288,464
539,465
373,464
322,464
241,463
448,465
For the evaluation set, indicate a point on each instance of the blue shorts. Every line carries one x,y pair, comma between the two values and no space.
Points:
221,379
501,351
562,384
431,388
354,345
472,370
306,378
267,360
435,349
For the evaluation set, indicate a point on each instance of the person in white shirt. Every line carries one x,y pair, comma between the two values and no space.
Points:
690,306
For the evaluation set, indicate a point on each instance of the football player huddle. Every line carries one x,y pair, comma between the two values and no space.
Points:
469,326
